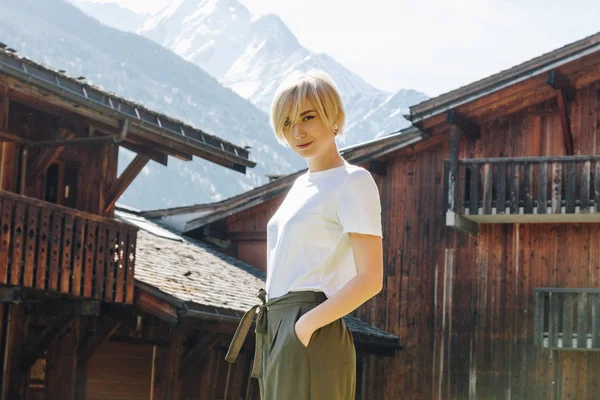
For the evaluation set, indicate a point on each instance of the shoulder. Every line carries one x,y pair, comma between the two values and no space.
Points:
358,175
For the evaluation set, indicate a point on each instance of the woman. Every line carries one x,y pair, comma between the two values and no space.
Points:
324,254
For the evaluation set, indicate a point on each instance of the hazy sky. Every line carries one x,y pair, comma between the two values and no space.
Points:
430,45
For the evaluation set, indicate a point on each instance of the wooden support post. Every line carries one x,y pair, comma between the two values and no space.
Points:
466,126
453,166
132,170
107,325
46,157
198,352
37,348
169,386
565,94
8,150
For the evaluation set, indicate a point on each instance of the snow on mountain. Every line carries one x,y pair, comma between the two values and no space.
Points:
111,14
253,55
61,36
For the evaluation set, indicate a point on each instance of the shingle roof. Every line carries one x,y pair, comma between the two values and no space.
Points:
197,273
193,140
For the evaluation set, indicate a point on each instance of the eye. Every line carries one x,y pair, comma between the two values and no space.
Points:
286,123
308,117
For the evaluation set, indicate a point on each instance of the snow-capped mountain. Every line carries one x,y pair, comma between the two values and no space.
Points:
62,37
252,56
112,14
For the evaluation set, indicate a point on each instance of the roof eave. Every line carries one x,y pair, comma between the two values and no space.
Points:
494,83
228,159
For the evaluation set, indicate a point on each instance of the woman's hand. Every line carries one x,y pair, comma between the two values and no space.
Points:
303,330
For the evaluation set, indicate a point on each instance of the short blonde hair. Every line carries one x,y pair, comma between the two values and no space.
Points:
315,86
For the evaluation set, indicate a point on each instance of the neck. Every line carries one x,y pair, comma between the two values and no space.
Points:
328,160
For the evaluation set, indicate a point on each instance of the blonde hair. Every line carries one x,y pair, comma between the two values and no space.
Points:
315,86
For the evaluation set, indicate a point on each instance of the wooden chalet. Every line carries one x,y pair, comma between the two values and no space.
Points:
68,268
491,212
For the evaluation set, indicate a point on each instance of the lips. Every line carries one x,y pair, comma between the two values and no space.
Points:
304,146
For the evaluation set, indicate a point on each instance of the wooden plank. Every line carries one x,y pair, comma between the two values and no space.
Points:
56,241
130,277
582,320
78,246
42,258
147,303
110,272
542,188
585,188
66,264
567,320
16,267
30,245
474,190
487,189
540,310
501,188
101,250
121,265
556,188
597,186
570,180
89,253
515,185
5,237
132,170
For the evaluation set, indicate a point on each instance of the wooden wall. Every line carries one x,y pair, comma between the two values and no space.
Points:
463,305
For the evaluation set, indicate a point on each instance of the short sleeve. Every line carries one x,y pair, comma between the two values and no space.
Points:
359,206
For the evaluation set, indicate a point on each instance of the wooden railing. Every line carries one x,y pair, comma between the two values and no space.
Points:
526,189
52,248
567,319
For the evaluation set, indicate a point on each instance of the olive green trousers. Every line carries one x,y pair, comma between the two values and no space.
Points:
285,368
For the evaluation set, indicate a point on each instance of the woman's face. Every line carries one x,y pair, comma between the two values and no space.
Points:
309,136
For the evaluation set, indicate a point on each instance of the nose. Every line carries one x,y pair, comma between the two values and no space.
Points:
297,131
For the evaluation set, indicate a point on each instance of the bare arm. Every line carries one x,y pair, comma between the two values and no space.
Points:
368,257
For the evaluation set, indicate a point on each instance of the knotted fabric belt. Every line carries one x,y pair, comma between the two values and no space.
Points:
260,310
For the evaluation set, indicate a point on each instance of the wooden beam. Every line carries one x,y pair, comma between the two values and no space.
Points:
461,223
107,325
147,303
560,82
37,348
154,155
455,135
565,94
378,167
10,294
132,170
11,137
565,120
61,307
199,351
46,157
467,127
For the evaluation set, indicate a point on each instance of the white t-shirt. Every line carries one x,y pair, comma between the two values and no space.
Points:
308,246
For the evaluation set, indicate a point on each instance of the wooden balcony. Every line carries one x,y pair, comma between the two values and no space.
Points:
567,319
57,249
523,189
